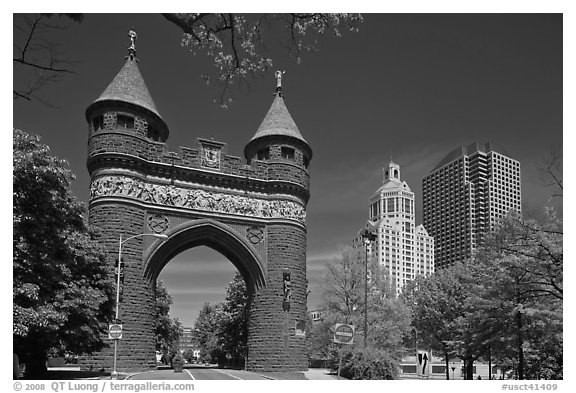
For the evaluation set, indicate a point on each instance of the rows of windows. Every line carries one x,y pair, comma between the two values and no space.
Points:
125,121
286,152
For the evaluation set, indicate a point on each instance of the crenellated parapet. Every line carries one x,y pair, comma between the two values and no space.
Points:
207,161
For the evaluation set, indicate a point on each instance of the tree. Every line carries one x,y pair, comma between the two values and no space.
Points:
439,311
62,293
221,331
550,169
237,43
188,354
37,59
205,333
343,293
233,331
168,331
520,266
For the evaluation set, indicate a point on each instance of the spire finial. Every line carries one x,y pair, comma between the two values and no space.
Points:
278,75
132,49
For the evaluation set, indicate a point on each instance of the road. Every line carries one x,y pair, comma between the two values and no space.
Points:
197,373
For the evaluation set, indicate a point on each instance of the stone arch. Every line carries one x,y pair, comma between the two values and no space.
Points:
213,234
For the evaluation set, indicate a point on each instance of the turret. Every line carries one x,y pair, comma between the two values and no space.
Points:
126,105
279,143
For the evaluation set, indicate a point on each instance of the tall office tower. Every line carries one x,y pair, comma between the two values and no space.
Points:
465,196
403,249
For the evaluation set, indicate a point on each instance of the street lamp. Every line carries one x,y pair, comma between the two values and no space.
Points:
120,242
368,236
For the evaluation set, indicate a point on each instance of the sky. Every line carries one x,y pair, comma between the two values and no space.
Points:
411,87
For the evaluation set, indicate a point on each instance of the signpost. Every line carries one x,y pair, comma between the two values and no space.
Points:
343,334
115,331
424,359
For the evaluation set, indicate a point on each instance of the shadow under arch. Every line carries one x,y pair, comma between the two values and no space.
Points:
213,234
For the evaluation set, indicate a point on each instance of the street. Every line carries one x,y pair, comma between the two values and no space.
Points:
197,373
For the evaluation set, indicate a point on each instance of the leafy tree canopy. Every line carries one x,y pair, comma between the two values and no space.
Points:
168,330
62,294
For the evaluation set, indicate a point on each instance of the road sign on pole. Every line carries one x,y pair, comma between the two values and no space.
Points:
115,331
344,334
424,360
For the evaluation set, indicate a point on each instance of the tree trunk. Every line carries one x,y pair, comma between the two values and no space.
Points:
470,369
520,345
489,363
447,365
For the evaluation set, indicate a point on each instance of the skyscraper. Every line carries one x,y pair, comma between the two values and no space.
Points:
403,249
466,195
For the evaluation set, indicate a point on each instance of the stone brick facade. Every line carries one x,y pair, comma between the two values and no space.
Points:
252,213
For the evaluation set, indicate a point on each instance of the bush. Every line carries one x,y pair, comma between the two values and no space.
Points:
368,363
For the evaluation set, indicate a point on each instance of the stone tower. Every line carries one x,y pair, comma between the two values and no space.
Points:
253,213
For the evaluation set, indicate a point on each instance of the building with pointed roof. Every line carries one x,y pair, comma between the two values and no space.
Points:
278,136
403,249
128,97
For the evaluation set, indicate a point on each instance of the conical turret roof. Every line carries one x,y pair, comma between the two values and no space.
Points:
129,86
278,122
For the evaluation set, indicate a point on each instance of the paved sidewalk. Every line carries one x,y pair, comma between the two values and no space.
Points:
320,374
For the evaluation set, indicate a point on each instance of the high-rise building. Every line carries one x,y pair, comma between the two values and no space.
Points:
403,249
465,196
186,341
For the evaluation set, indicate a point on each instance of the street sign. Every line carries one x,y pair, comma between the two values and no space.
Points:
424,360
115,331
344,334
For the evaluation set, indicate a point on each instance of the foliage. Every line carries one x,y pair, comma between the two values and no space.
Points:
369,363
221,331
62,294
205,333
440,314
167,330
344,292
237,43
188,354
234,327
522,266
506,303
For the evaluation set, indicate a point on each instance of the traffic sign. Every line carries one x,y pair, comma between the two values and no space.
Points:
344,334
115,331
424,360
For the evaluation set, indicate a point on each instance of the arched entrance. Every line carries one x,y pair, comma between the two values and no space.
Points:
252,212
213,234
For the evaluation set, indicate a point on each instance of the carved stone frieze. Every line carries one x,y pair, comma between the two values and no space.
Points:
195,199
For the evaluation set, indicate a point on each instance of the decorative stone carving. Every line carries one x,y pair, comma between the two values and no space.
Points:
210,157
158,223
195,199
255,234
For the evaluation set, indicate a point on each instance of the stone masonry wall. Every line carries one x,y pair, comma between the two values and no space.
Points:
272,344
136,348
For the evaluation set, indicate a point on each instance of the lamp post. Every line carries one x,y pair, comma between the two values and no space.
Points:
367,237
120,242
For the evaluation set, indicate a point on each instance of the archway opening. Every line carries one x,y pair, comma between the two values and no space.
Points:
202,262
209,305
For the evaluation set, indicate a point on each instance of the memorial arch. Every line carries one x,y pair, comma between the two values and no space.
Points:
251,210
